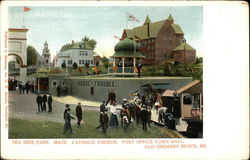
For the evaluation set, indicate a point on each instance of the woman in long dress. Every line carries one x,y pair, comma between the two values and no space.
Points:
113,118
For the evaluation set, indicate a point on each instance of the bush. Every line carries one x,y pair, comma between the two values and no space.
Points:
75,65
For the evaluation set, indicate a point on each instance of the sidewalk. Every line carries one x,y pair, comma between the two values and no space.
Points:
75,100
24,106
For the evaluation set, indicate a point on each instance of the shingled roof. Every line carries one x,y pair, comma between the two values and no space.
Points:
154,28
184,46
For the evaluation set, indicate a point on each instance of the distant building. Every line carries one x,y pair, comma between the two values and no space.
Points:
97,59
74,53
46,55
160,41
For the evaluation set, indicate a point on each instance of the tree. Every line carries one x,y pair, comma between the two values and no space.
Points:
105,61
63,65
167,69
89,43
75,65
31,56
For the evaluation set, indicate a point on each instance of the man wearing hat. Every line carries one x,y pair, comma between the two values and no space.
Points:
79,113
50,103
144,117
39,101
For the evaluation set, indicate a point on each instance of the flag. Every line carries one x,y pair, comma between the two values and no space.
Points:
132,18
26,9
117,37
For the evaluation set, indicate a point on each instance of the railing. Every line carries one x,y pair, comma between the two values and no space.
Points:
119,70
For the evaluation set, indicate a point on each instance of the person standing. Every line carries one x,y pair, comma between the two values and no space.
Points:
50,103
23,87
27,86
144,117
44,102
58,90
65,111
67,125
149,115
39,101
139,67
102,106
113,118
103,119
20,86
79,113
105,122
32,87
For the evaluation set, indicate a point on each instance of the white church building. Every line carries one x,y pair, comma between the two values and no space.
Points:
74,53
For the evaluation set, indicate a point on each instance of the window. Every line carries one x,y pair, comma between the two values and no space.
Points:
54,84
79,61
187,99
86,54
47,61
91,61
69,62
83,61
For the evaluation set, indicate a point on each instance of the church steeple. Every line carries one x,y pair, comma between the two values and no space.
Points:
147,20
46,53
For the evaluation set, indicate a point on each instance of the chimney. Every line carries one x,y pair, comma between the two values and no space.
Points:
72,41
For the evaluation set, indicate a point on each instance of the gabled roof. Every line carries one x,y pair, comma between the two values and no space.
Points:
141,31
193,87
184,46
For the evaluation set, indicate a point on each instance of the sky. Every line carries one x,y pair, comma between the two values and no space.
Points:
61,25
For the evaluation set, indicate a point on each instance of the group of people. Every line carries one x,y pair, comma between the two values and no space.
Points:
41,102
67,116
12,83
26,87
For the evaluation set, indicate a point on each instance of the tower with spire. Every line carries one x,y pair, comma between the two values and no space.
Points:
46,54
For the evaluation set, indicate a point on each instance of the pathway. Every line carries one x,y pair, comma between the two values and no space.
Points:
24,106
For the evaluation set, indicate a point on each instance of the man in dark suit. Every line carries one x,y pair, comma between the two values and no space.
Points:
44,102
27,86
144,117
79,113
102,106
20,86
39,101
50,103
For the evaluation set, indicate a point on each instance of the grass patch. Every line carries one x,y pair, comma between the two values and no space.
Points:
44,129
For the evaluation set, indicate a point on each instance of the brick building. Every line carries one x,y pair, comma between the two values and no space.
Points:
160,41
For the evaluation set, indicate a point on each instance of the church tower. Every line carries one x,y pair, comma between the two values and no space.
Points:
46,54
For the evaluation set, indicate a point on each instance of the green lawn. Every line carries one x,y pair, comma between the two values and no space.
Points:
44,129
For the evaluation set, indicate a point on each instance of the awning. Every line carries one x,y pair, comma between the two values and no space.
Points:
168,93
